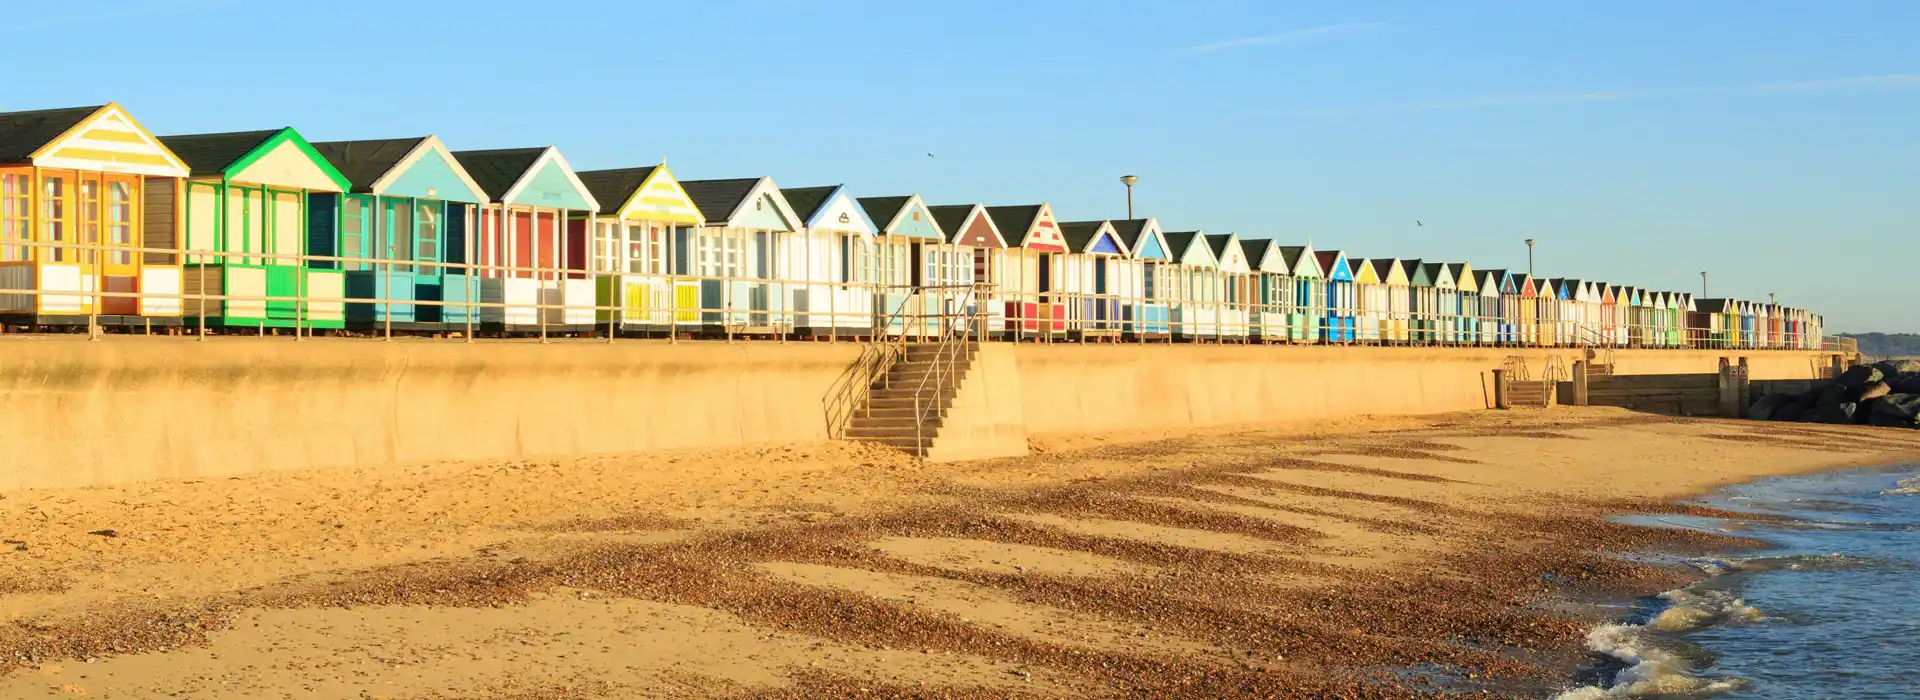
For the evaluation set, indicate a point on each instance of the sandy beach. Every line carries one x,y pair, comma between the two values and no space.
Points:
1362,558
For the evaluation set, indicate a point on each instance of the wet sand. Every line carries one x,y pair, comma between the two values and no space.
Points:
1360,558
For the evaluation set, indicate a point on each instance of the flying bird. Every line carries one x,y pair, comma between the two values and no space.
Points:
1417,223
929,155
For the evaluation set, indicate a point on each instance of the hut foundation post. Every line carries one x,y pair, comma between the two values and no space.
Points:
1500,390
1580,383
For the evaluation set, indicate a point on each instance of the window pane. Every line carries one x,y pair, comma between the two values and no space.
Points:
428,226
120,219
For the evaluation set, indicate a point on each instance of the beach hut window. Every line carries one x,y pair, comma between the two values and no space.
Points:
89,218
54,214
1150,280
16,201
353,218
428,226
399,234
637,246
120,221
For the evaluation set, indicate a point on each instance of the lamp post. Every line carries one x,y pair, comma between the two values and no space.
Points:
1529,257
1703,284
1128,180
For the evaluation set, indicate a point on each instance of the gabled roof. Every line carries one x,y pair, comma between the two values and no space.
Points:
1083,236
1014,218
364,162
1327,260
503,173
1179,241
814,204
1418,273
1256,250
498,170
719,199
233,155
957,219
612,188
1032,224
23,133
1384,267
212,154
102,138
1298,257
1219,243
1456,271
807,201
883,210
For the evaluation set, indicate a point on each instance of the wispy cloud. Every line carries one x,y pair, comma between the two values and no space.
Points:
1288,37
1890,81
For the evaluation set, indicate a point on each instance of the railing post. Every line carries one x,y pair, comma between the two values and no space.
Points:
1580,383
1500,390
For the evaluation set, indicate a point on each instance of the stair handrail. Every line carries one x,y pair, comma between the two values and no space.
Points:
1590,337
943,370
851,394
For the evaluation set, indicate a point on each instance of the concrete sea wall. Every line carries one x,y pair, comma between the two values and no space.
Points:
81,413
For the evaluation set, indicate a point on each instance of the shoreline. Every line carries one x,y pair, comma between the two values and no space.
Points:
1310,558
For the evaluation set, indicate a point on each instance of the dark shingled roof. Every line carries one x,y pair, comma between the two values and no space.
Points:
497,170
212,154
1218,242
1078,234
1014,221
1290,254
718,199
1256,250
1327,258
1499,276
1458,270
1179,241
612,188
807,201
1129,230
951,217
364,162
22,133
1383,267
881,209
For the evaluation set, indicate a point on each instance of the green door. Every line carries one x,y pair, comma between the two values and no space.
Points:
283,281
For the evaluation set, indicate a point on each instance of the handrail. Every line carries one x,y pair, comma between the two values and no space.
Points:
852,392
944,369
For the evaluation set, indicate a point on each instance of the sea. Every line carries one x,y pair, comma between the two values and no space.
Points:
1830,609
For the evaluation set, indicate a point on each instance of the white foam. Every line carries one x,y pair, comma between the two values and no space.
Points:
1907,487
1654,671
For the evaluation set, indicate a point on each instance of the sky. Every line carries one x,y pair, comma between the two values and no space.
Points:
1769,143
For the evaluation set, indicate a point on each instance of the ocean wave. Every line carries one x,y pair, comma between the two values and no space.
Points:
1800,562
1653,668
1906,487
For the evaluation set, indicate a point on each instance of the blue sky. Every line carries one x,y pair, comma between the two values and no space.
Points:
1771,143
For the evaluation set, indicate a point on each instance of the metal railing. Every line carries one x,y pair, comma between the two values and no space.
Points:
954,345
732,305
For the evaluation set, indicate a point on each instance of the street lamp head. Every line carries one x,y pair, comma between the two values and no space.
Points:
1529,242
1128,180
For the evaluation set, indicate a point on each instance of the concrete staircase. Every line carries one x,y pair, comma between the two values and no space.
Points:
890,416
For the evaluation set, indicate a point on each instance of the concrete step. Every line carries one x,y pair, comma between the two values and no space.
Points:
889,413
907,431
917,447
908,392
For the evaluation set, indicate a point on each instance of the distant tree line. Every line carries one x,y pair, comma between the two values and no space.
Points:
1887,344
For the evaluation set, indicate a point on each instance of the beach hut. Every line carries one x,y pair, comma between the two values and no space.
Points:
1341,317
1093,276
1489,319
1553,312
1511,301
1529,322
1466,309
1273,290
1309,293
75,188
1423,284
1034,256
408,200
642,212
1712,323
1574,319
1233,284
1195,307
1145,314
1608,323
923,278
1370,301
731,257
247,219
1686,309
824,274
1395,282
969,229
532,274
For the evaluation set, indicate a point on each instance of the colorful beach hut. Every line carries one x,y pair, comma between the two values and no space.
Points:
1396,288
972,232
1235,283
1424,301
1466,303
408,201
532,274
935,280
1272,289
825,273
75,188
642,212
1370,302
1309,293
1341,317
729,260
1094,277
1489,320
1146,312
1033,259
244,224
1195,309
